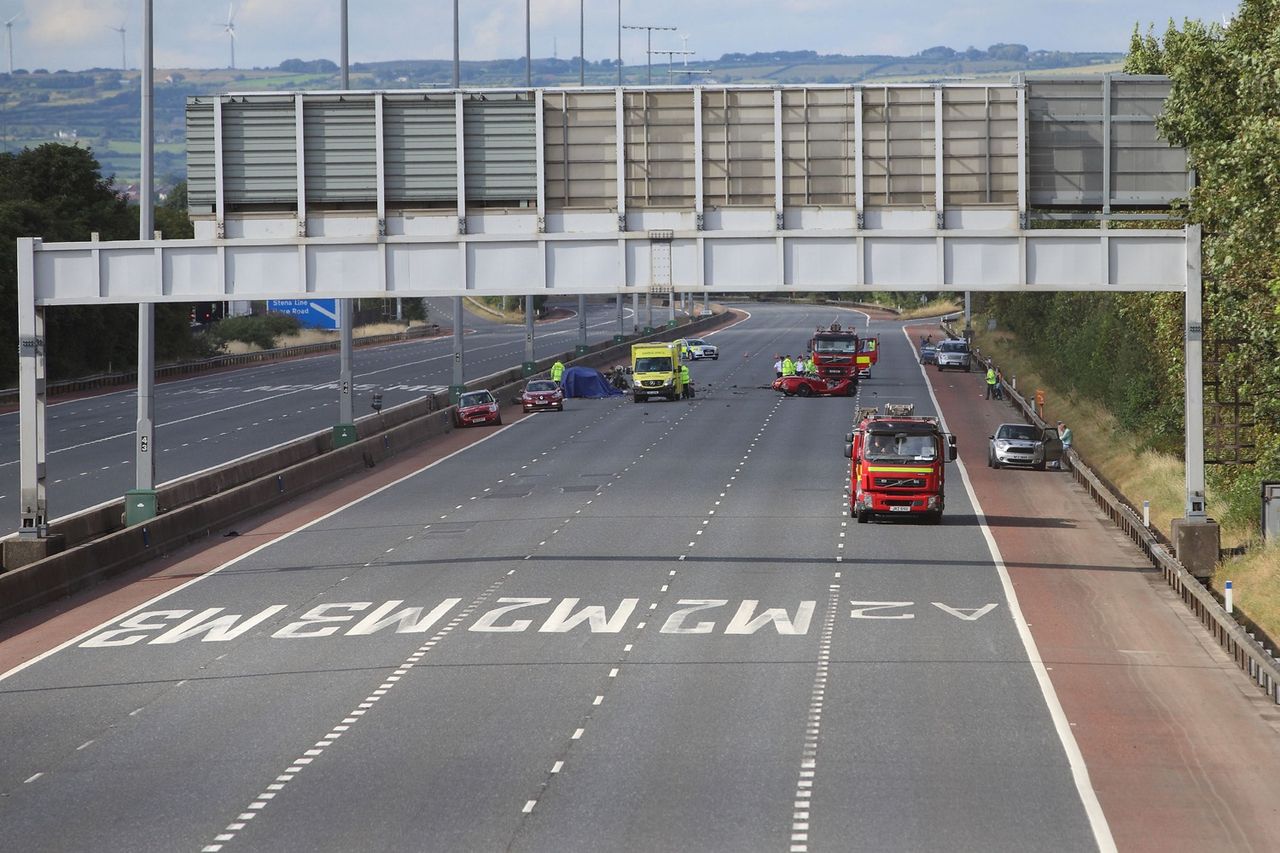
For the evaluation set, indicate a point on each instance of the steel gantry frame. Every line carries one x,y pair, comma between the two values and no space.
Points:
630,247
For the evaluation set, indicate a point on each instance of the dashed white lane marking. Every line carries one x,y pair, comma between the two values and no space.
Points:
33,778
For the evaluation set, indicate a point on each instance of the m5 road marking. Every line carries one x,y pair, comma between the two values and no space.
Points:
691,616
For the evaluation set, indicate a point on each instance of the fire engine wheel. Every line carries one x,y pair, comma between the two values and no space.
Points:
934,517
803,391
862,515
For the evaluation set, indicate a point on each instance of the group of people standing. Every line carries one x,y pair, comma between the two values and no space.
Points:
783,365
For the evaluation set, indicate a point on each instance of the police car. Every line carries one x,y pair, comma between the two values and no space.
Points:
696,348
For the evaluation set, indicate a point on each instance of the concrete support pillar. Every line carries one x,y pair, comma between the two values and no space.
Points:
706,302
671,310
648,310
635,313
457,387
530,359
344,431
582,324
968,315
621,334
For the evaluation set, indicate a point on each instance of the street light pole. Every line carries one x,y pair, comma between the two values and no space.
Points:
648,47
346,71
141,501
457,65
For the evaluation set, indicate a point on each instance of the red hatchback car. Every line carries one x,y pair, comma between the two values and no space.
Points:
542,394
477,407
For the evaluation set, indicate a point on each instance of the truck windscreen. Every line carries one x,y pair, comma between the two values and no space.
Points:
901,448
836,345
653,364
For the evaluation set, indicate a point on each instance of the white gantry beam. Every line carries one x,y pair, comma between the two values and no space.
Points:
496,261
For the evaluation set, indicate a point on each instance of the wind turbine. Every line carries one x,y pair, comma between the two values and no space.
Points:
124,63
8,31
230,29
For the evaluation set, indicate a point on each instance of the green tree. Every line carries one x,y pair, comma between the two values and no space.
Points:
1224,107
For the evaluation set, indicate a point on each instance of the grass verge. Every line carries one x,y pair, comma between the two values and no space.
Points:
1142,474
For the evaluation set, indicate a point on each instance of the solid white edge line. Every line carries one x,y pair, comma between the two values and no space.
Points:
1079,771
731,325
283,536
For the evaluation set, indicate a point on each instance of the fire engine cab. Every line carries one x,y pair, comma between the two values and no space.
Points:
898,464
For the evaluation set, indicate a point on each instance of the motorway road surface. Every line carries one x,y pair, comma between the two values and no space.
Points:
621,627
210,419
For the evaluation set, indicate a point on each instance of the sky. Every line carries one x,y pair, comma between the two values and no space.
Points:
77,34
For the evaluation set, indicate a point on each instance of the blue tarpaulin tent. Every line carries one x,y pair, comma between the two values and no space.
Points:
587,382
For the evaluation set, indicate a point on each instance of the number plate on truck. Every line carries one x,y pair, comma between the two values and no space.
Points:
899,509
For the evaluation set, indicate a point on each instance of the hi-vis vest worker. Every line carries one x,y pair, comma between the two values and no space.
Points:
788,367
991,376
557,370
684,374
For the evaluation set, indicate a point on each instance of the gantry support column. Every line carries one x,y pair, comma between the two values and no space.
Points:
457,387
33,541
530,359
582,325
635,313
621,334
1196,537
648,309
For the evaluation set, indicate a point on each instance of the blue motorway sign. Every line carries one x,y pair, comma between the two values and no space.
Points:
311,313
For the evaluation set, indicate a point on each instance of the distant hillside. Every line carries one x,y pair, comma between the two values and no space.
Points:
99,107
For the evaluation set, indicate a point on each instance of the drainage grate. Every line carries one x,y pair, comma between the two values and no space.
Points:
451,529
512,491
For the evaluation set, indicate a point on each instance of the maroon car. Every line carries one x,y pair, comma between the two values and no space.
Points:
477,407
814,386
542,394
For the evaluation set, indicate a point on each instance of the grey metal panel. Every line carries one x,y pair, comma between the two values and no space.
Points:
340,149
580,139
659,148
418,139
898,146
201,192
1067,149
737,147
501,149
259,151
818,142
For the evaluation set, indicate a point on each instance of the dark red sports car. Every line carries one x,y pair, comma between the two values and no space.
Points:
542,394
477,407
814,386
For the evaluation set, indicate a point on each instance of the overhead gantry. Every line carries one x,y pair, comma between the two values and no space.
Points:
654,191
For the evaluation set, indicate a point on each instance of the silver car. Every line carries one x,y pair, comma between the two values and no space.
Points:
953,354
1024,445
698,348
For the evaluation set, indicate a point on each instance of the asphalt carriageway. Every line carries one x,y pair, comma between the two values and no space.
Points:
624,626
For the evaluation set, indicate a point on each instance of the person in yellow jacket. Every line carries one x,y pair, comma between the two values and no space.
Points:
788,366
557,371
685,382
991,382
